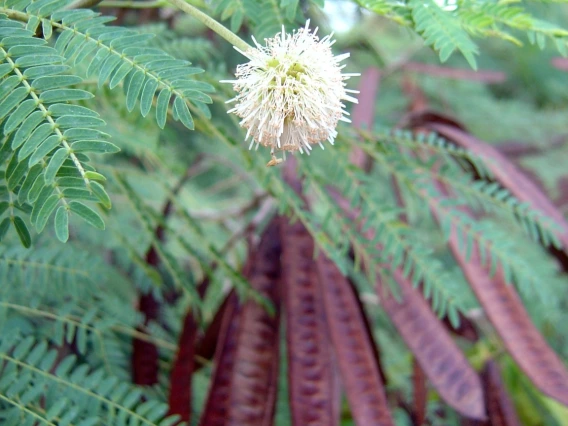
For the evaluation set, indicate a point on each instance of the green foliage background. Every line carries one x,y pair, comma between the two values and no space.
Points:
100,124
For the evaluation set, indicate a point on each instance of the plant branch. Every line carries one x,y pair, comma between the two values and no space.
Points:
265,210
235,211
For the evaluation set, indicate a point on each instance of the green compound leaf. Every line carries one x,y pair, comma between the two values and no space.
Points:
443,31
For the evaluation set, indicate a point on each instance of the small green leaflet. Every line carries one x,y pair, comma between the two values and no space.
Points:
4,226
62,224
22,231
101,147
101,194
95,176
87,214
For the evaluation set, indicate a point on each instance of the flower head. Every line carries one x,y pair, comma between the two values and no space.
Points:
291,93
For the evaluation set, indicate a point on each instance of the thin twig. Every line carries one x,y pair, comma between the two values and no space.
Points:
216,216
265,210
223,185
236,169
145,354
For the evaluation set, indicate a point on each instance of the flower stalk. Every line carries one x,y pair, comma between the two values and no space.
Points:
211,23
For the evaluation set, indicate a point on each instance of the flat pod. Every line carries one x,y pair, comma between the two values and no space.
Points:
442,361
253,389
312,385
354,347
244,384
506,312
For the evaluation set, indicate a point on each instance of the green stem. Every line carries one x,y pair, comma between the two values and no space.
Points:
14,14
228,35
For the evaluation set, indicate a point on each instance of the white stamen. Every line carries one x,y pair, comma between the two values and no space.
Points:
291,92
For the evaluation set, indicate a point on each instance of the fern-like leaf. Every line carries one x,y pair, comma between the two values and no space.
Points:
234,9
45,138
397,11
42,388
488,19
119,55
443,31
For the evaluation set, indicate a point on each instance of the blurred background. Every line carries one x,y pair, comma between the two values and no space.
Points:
189,206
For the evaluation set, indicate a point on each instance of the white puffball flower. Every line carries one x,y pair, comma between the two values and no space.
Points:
291,93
